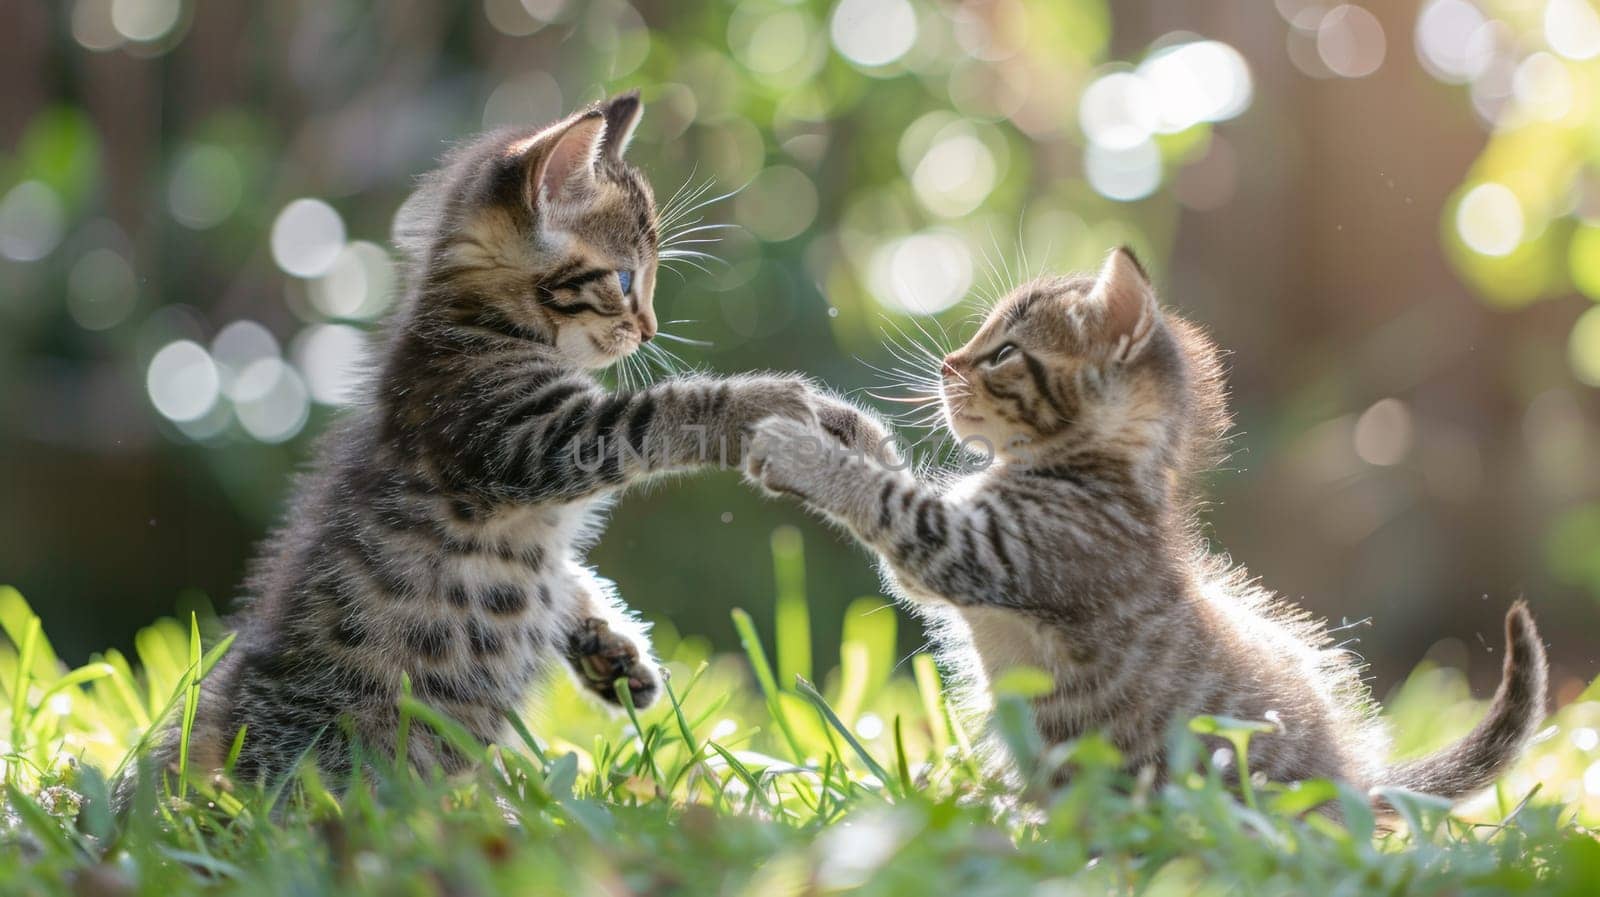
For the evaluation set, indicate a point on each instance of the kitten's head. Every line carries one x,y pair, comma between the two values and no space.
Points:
543,233
1088,363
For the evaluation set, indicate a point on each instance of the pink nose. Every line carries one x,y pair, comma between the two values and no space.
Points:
647,328
948,369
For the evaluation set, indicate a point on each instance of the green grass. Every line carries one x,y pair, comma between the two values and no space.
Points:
748,780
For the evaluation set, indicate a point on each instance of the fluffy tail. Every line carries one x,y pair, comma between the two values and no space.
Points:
1486,751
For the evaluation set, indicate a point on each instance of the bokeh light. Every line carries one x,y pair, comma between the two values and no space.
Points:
182,381
145,20
783,46
1452,41
873,32
1572,28
1542,87
330,358
1584,259
1119,111
205,187
923,273
31,222
1583,347
1123,174
956,174
359,284
1383,433
778,205
511,17
526,99
1489,219
92,27
101,289
238,346
1350,41
1198,81
307,237
270,400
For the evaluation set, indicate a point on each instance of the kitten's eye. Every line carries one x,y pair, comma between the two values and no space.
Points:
625,280
1000,355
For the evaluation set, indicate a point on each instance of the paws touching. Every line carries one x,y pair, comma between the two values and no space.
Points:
601,655
782,451
785,455
855,429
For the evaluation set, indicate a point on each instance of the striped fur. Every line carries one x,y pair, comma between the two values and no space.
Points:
1077,551
440,534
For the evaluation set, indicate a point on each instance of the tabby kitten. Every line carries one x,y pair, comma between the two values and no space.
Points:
441,532
1077,551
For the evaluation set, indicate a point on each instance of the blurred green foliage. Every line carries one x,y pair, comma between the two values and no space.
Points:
884,159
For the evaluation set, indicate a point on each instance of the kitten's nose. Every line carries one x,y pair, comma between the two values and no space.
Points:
948,369
647,327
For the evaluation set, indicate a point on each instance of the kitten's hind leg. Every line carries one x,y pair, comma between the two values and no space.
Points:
606,643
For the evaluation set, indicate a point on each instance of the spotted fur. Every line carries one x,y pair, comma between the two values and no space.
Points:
441,532
1077,552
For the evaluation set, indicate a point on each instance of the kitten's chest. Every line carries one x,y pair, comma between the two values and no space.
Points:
1007,639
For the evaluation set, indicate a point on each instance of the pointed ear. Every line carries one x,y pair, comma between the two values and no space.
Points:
622,116
563,171
1129,302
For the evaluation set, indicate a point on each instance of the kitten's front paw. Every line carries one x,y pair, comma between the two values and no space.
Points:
601,655
857,430
781,452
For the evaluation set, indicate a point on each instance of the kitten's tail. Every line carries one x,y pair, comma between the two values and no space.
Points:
1478,759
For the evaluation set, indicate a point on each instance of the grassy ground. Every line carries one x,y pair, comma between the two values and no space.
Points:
750,781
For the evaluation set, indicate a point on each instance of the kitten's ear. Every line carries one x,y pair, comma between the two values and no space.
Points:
622,116
563,171
1130,306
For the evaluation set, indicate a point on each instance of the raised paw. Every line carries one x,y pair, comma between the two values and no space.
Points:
856,429
782,452
601,655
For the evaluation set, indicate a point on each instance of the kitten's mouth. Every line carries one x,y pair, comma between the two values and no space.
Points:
957,409
615,345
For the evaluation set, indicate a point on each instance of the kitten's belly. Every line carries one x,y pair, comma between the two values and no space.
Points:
514,610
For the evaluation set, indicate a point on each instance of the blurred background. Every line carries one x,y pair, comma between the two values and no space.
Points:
1389,212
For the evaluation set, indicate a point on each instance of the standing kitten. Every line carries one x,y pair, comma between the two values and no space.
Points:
1077,550
441,531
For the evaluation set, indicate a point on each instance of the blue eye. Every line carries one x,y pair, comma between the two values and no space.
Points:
625,279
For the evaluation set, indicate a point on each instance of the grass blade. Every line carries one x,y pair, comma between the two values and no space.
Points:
750,640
